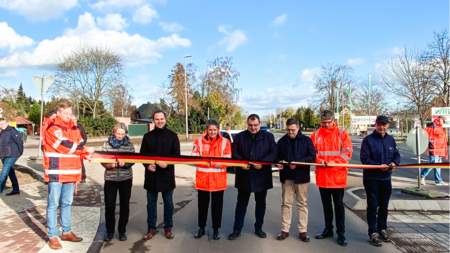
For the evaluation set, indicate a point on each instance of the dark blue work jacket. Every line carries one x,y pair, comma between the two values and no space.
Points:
376,150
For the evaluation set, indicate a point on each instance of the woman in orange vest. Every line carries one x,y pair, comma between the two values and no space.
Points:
211,181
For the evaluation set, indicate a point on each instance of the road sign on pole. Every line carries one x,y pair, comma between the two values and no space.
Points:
417,141
42,83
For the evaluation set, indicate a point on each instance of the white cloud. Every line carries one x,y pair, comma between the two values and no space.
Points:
144,15
135,49
262,102
112,22
309,74
280,20
173,27
40,10
108,4
10,39
232,40
355,62
8,73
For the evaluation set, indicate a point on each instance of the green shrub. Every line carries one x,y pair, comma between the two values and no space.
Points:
98,126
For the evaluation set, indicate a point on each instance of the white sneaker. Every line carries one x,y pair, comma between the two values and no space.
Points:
422,181
442,183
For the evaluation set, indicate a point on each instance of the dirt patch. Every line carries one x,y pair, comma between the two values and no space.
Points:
22,175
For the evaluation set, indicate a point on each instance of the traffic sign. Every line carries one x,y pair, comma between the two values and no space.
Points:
1,110
43,83
417,142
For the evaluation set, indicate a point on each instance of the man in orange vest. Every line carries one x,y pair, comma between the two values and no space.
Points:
211,181
62,170
333,145
437,148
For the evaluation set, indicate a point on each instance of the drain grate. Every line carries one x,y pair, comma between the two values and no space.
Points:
415,242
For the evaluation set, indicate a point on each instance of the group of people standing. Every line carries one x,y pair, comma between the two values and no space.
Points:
64,149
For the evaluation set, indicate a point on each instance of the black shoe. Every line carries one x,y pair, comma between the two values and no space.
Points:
200,233
384,236
342,240
234,235
108,237
260,233
325,234
216,235
12,193
122,237
375,240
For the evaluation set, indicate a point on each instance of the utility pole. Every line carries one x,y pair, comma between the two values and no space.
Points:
342,102
185,88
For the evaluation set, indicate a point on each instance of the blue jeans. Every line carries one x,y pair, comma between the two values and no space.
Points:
8,170
437,172
243,198
56,191
378,194
152,201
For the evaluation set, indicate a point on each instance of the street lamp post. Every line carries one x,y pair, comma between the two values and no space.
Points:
185,88
398,121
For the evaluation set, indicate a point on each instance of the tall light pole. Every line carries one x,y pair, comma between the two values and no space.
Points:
398,121
186,91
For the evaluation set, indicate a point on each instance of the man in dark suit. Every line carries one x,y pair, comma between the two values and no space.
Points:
160,177
256,145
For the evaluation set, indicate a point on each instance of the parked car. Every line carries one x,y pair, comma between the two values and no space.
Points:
229,134
265,128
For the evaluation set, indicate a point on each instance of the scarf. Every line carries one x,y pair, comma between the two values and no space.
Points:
115,142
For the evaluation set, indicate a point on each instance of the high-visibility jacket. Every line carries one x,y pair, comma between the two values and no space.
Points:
62,152
45,122
437,146
211,178
332,145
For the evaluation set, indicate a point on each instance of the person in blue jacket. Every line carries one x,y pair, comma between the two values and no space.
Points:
11,148
254,145
378,148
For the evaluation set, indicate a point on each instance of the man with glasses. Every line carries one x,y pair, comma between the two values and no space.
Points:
295,147
11,148
255,145
333,145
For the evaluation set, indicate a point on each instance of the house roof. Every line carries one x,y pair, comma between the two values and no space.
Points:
22,121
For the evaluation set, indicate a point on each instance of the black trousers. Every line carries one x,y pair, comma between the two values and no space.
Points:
378,194
111,188
243,198
329,197
216,208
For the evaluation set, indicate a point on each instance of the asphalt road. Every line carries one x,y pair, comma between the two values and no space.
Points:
185,220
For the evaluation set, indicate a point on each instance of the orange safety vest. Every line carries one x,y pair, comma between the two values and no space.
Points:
437,146
332,145
211,178
62,152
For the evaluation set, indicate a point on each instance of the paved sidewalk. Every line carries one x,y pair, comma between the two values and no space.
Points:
23,218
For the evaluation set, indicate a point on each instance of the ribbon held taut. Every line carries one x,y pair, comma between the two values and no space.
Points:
111,157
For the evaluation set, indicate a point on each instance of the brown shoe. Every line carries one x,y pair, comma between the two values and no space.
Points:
54,243
282,235
168,232
149,235
304,237
71,237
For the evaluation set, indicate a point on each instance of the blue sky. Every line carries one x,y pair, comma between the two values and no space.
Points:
277,46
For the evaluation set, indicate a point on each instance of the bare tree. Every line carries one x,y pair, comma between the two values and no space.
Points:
378,103
410,77
121,99
332,81
89,75
439,57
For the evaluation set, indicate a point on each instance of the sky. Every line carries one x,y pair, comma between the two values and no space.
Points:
277,46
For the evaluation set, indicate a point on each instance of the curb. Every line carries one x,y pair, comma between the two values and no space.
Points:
354,202
97,242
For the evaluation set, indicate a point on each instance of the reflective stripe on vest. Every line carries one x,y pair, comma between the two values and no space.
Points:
333,152
224,144
210,170
62,172
48,154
